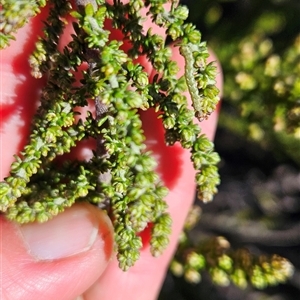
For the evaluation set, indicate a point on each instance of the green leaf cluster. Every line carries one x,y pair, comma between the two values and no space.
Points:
224,264
258,48
120,177
264,86
14,15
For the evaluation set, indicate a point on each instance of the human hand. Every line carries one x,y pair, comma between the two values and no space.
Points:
72,254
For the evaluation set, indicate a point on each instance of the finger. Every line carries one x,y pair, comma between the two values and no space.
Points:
177,172
59,259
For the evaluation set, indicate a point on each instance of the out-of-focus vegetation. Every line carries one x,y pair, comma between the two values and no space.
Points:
258,44
258,205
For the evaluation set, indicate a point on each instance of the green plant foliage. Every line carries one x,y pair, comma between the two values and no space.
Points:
120,177
225,265
14,15
264,86
258,44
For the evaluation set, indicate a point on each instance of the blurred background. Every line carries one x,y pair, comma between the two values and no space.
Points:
258,139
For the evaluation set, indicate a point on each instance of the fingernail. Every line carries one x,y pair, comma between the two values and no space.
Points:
67,234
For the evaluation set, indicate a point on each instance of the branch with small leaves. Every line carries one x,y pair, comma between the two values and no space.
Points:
121,176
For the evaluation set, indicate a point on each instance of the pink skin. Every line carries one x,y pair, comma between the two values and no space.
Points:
93,273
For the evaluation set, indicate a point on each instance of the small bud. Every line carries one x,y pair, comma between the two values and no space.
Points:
181,12
174,31
195,260
194,37
176,268
219,277
142,80
192,276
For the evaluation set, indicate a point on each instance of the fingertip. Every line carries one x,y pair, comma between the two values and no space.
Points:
105,229
28,276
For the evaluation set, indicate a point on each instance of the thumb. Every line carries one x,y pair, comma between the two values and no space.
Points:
59,259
